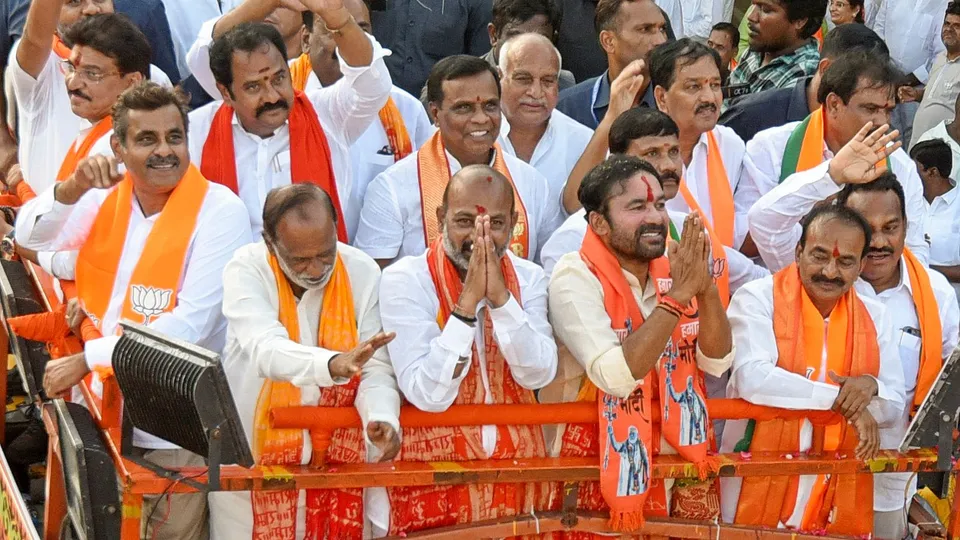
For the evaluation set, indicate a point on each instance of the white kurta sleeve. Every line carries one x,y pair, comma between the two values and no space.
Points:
775,218
887,406
525,337
917,210
43,224
199,309
380,231
350,105
742,269
198,59
424,357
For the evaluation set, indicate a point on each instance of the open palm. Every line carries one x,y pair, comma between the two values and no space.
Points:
864,158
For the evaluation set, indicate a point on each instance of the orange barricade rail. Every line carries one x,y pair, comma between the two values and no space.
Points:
137,481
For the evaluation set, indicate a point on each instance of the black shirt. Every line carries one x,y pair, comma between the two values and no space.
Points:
754,113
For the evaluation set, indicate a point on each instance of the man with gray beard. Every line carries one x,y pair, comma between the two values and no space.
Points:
471,325
303,328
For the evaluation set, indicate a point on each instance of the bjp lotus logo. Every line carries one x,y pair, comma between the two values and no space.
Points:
148,301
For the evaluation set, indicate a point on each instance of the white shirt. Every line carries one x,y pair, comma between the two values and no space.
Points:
911,29
222,227
889,488
943,224
425,358
556,153
699,16
391,222
731,152
757,379
674,10
46,123
569,237
774,217
345,109
939,131
259,348
185,18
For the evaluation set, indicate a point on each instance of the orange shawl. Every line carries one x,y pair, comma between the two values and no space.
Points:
80,151
156,279
840,504
417,508
390,117
433,172
677,385
309,153
60,48
931,329
331,513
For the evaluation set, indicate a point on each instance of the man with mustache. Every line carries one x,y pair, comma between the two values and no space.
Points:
920,302
265,133
67,71
685,75
533,129
636,319
153,243
300,275
471,324
399,216
856,89
782,46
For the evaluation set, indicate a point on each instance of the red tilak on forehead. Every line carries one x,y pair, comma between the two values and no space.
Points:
489,179
649,190
481,210
836,250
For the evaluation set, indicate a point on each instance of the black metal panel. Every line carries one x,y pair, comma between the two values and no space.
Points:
178,392
18,297
934,423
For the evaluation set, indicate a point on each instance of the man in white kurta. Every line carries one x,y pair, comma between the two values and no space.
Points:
49,120
263,153
764,159
911,28
392,219
532,128
61,219
674,69
259,347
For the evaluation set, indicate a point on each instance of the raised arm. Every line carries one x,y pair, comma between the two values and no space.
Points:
37,41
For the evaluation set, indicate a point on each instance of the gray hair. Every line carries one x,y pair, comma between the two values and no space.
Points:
518,40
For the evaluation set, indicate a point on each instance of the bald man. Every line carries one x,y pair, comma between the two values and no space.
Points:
491,343
280,352
533,129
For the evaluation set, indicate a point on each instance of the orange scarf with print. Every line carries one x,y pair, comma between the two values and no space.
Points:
331,513
390,117
418,508
310,159
628,437
840,504
156,279
931,328
433,172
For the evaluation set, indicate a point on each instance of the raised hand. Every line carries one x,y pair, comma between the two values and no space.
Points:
864,158
349,364
94,172
497,293
855,394
869,432
689,260
475,284
385,438
334,15
625,89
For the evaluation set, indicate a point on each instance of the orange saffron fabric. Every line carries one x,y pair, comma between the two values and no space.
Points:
931,328
330,513
80,151
60,48
433,172
310,159
840,504
418,508
721,268
300,71
156,278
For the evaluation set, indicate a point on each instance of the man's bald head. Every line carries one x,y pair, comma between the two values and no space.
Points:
482,180
528,44
304,203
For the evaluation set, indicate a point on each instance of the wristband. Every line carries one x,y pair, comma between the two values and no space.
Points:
675,304
670,310
463,318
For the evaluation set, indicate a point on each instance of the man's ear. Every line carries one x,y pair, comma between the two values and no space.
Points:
225,94
492,33
796,252
433,109
660,95
832,105
598,223
305,40
823,65
115,145
608,41
133,79
441,214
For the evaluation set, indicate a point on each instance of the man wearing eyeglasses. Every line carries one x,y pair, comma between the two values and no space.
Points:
74,59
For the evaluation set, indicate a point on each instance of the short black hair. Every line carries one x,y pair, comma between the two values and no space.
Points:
596,189
843,214
245,37
115,36
811,10
953,8
307,19
849,37
606,16
730,30
282,200
637,123
147,96
456,67
885,182
934,153
666,59
844,75
521,11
